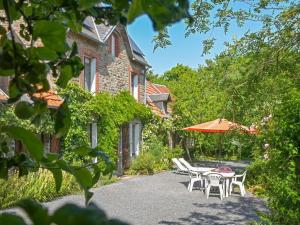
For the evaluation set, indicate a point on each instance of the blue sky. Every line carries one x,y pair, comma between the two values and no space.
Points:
187,51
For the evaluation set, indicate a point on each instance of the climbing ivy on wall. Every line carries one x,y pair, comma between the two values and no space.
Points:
109,111
42,124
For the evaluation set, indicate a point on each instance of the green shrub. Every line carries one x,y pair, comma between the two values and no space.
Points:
154,161
257,177
39,186
278,178
143,164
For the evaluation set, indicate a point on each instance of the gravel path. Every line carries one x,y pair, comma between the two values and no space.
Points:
163,199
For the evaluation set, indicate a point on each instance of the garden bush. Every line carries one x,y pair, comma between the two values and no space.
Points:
153,161
278,177
143,164
156,154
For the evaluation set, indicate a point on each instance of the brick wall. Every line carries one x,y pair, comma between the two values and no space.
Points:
90,49
116,72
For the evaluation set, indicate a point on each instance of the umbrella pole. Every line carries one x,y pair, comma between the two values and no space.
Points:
220,141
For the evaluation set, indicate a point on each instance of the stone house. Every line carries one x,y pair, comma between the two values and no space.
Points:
113,62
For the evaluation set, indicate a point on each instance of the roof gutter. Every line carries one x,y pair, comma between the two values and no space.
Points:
139,61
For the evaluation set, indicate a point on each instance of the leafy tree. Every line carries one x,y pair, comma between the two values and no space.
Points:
175,73
36,46
208,16
255,79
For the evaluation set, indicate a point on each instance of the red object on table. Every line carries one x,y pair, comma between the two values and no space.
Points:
223,170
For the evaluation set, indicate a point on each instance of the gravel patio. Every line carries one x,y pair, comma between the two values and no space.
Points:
163,199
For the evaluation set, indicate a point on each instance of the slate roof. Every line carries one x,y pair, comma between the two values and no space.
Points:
104,31
88,29
135,48
137,52
101,32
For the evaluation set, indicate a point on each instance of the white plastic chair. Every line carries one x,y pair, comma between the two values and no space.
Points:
214,180
194,177
180,168
239,183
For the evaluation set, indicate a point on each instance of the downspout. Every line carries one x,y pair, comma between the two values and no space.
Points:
145,84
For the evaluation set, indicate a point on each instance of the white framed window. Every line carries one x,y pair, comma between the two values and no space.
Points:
90,74
135,86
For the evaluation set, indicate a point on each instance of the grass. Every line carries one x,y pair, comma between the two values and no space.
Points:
40,186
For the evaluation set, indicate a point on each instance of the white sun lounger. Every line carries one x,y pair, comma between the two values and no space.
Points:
180,168
195,169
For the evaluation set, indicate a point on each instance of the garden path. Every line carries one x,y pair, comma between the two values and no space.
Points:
163,199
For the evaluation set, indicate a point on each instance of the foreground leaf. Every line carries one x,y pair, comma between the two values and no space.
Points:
24,110
10,219
63,120
52,33
70,214
33,145
35,211
58,176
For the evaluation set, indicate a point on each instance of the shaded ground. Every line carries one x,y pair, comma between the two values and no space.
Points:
163,199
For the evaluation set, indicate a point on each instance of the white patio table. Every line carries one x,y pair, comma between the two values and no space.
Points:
202,170
227,176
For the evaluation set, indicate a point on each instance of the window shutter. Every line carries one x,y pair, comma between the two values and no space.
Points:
117,45
55,144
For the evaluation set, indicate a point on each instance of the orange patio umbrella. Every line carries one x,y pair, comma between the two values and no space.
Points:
220,126
217,126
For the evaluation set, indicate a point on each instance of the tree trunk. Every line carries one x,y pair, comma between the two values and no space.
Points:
187,149
170,139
